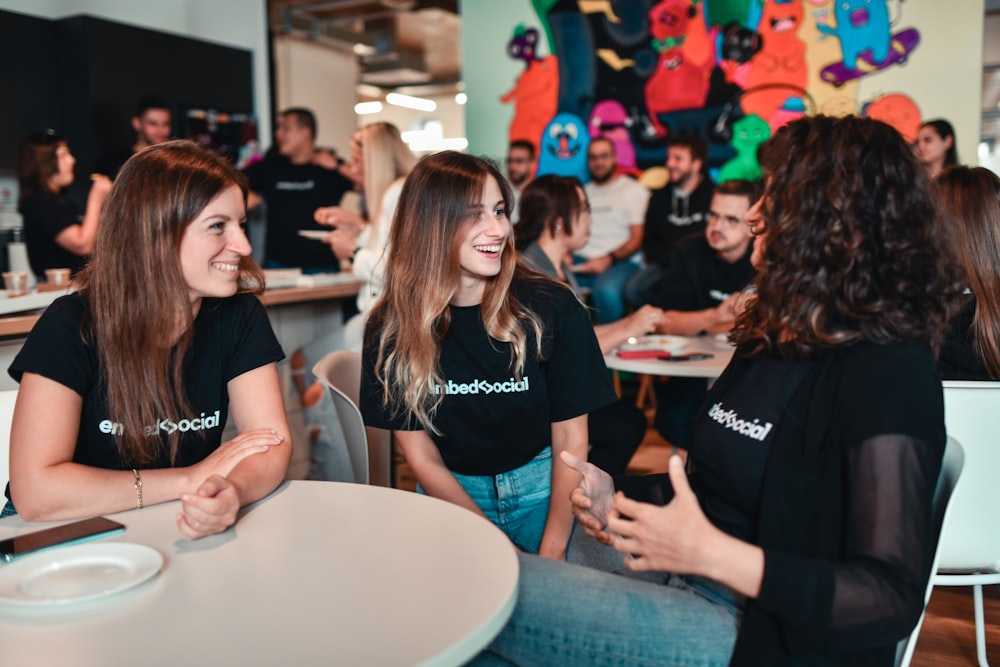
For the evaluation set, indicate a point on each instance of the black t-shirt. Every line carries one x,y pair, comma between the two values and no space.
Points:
670,216
698,278
46,215
231,336
732,439
490,421
293,192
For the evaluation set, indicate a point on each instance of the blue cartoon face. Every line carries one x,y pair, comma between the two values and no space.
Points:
862,25
564,147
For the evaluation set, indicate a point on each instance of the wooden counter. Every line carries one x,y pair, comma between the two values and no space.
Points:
18,325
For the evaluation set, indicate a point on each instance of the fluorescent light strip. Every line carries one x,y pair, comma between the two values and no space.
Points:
409,102
365,108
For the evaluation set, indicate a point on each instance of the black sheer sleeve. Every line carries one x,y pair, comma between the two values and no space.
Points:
877,588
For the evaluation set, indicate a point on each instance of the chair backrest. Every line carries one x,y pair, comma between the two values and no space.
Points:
7,399
340,370
970,411
943,513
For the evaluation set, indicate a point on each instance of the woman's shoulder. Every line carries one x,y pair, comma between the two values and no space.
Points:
534,288
236,307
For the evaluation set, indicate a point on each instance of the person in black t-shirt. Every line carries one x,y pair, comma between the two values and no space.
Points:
296,180
483,368
55,235
703,292
125,385
152,124
971,198
801,533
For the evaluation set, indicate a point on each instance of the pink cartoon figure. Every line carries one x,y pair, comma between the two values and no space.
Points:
686,57
609,119
778,70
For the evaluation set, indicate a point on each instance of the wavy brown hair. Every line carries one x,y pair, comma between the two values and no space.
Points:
138,306
970,198
406,326
854,249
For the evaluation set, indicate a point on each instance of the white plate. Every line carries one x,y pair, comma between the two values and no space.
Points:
659,343
314,234
76,573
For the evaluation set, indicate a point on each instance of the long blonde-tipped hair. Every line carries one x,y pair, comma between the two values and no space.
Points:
138,305
423,270
387,158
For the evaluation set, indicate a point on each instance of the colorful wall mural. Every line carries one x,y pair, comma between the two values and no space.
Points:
731,71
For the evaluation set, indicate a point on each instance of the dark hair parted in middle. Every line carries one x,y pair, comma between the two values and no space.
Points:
854,249
545,201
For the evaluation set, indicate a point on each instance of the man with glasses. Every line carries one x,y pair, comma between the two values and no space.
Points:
521,166
617,206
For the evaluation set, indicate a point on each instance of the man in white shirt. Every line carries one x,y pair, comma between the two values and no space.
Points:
521,166
618,209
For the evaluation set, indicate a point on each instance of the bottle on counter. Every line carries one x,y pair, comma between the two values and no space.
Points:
17,255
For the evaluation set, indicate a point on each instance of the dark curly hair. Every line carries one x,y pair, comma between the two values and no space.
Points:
854,249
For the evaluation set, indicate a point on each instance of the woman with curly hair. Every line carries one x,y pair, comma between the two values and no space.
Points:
125,385
801,532
970,197
483,368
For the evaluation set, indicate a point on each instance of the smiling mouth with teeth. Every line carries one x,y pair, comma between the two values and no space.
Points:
227,267
487,248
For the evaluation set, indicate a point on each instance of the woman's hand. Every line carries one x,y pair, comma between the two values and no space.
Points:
593,499
342,244
644,321
99,188
209,510
673,538
345,221
230,453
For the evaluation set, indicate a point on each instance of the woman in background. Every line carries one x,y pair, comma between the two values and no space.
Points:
483,368
55,235
970,198
554,221
161,332
936,146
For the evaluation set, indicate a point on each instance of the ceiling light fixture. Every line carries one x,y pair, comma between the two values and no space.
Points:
365,108
410,102
461,98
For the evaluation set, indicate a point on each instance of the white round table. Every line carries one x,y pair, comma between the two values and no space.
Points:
318,573
721,351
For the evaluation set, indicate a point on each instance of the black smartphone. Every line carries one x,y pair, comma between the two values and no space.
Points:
70,533
695,356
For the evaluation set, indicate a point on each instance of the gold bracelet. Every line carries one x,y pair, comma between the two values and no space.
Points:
138,488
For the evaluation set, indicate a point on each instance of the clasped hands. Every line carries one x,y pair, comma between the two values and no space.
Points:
676,537
213,506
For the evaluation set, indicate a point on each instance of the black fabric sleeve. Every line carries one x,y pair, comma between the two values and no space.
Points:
890,414
255,344
55,348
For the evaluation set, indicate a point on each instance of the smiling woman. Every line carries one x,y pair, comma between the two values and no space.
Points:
482,367
159,334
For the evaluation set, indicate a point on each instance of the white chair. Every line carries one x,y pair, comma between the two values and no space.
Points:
340,370
970,545
943,513
7,399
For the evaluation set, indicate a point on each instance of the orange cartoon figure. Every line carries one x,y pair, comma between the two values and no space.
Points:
778,71
536,99
897,110
686,57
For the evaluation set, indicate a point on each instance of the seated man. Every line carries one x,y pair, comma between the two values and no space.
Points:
702,292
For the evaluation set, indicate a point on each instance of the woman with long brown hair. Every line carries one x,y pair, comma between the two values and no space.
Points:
125,385
802,531
970,197
483,368
55,234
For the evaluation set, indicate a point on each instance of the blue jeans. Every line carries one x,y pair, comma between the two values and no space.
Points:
573,615
607,290
516,501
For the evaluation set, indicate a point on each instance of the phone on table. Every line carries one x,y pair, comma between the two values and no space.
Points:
70,533
695,356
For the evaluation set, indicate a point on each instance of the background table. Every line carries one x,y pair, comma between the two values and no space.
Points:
319,573
720,350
